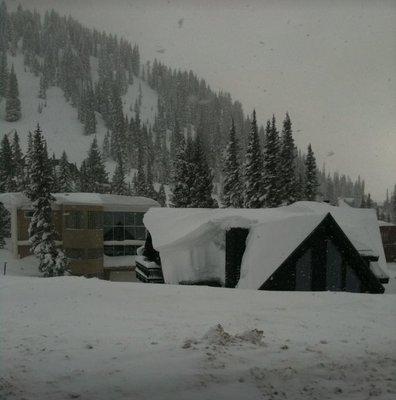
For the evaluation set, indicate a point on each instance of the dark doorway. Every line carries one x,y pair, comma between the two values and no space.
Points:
235,247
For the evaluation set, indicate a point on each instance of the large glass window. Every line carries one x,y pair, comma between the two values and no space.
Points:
83,220
121,226
120,250
95,220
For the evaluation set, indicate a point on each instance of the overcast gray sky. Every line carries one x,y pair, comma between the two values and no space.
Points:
331,64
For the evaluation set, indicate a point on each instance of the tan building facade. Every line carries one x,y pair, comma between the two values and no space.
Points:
92,229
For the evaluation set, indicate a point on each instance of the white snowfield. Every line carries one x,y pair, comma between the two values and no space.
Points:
58,119
192,241
77,338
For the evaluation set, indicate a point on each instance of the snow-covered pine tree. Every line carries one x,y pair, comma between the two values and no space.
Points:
181,174
393,206
13,104
232,193
271,171
3,74
253,169
65,180
369,201
201,178
19,163
140,184
106,149
7,168
311,179
42,234
42,94
287,163
89,111
4,219
150,191
95,172
118,184
84,183
161,196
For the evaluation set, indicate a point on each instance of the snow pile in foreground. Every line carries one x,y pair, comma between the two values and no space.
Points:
72,337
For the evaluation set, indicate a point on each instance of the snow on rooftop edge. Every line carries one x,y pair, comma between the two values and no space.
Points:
19,200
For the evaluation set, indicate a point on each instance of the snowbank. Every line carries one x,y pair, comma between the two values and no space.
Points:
71,337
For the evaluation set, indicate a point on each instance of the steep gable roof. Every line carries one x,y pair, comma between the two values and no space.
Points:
274,233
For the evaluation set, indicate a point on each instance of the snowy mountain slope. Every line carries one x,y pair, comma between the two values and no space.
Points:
85,338
58,119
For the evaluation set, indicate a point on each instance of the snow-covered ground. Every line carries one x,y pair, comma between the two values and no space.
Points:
65,338
71,337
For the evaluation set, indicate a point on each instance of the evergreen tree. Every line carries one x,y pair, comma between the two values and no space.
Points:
95,175
65,180
271,174
3,223
161,196
140,185
3,74
18,163
254,190
42,233
118,184
369,202
202,179
311,179
106,149
232,195
13,104
42,88
181,175
150,191
287,163
89,112
84,181
7,170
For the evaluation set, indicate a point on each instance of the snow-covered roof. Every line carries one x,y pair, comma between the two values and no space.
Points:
385,223
274,233
109,202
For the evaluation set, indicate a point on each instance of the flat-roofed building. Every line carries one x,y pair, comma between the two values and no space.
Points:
94,230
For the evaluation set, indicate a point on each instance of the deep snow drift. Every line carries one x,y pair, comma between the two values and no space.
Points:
70,337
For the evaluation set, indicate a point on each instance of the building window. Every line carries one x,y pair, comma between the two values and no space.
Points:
95,220
75,220
83,220
120,226
29,214
119,250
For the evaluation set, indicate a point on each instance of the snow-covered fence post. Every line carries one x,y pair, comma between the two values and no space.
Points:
5,268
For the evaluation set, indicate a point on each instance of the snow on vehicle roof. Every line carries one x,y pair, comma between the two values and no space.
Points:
274,232
108,201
